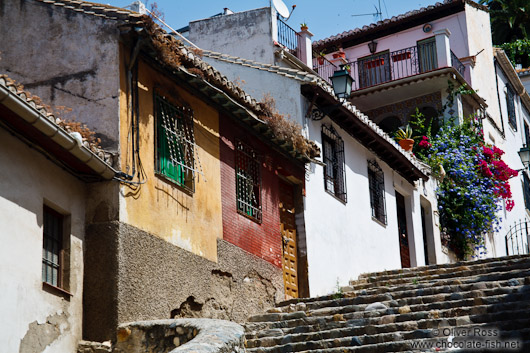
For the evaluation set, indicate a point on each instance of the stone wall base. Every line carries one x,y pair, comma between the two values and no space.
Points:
131,275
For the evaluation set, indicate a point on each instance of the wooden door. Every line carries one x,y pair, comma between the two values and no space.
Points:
288,232
402,227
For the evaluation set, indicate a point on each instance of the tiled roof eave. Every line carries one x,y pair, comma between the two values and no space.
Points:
376,29
369,134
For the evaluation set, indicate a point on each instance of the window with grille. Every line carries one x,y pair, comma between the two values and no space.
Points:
52,248
510,105
333,158
526,190
176,154
248,182
376,181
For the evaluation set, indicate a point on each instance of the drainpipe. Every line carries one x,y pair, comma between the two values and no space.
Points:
12,101
133,106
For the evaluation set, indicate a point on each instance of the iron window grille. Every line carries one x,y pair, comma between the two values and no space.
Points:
52,248
248,182
333,158
510,106
526,190
376,181
177,157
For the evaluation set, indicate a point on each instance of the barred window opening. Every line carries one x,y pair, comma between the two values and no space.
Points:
333,158
177,156
376,181
526,190
248,182
52,248
510,105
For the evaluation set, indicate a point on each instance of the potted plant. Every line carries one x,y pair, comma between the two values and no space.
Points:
320,58
303,26
404,137
339,54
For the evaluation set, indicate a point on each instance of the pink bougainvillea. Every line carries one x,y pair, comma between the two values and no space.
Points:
492,166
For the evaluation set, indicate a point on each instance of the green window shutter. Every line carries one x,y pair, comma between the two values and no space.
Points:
174,134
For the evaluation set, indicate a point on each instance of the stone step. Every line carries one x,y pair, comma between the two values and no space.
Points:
403,284
438,293
462,272
374,343
418,295
381,333
385,324
415,271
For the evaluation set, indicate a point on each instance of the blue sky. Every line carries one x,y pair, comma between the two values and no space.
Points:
324,17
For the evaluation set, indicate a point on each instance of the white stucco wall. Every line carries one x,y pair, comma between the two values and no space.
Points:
68,59
480,44
512,141
343,240
247,34
27,181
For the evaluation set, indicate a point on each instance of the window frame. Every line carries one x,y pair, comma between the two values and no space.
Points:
526,190
56,236
374,69
167,114
510,106
333,155
376,185
247,167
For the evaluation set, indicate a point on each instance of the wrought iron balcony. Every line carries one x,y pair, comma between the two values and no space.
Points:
288,37
387,66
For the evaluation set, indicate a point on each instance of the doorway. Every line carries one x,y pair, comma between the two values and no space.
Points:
289,241
402,228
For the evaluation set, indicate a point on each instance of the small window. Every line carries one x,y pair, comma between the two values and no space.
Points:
248,182
53,257
526,190
376,182
334,171
510,105
526,134
175,143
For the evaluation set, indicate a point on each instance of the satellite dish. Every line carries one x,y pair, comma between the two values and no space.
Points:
281,8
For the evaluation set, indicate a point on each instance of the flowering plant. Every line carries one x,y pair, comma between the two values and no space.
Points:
476,181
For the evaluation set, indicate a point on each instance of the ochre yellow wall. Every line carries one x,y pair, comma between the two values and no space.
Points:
192,221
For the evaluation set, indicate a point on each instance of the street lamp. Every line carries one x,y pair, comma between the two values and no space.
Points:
524,154
342,83
372,46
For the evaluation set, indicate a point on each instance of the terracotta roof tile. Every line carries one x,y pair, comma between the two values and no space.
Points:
36,103
393,21
94,9
309,78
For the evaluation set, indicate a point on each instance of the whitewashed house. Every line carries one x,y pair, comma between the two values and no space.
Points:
367,203
411,60
514,108
43,201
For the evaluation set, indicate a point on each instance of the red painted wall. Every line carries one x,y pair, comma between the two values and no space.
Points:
261,239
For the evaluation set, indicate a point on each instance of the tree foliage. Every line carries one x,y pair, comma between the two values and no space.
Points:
510,26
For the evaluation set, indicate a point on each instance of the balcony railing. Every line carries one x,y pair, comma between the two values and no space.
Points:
387,66
288,37
457,64
324,67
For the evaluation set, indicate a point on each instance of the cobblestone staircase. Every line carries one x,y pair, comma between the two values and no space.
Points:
469,305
